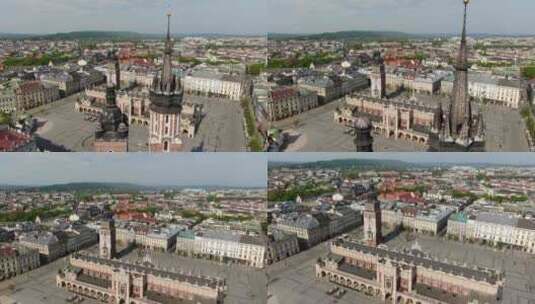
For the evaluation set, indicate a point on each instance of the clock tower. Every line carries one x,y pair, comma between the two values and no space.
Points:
372,223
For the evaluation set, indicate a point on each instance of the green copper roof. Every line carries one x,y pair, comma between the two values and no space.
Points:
459,217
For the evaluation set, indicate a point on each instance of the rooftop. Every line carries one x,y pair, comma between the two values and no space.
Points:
199,280
420,259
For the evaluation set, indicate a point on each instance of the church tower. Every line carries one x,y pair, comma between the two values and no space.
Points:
107,240
166,105
461,110
458,128
373,235
378,80
111,134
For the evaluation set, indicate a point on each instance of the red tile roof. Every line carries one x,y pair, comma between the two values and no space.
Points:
282,94
10,140
30,86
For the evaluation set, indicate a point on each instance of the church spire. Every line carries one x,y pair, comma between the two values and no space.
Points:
167,73
462,60
168,27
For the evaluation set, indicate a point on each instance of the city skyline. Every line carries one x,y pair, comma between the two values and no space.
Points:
203,169
507,159
264,16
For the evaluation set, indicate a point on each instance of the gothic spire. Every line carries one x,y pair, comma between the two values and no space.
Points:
462,60
167,73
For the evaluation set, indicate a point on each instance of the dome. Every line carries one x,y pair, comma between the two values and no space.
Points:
362,123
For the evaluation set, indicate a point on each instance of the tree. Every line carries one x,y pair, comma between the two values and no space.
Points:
528,72
5,118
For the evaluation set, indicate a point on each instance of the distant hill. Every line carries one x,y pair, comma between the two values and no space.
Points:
386,164
97,35
112,187
366,164
107,35
379,35
14,36
88,187
345,35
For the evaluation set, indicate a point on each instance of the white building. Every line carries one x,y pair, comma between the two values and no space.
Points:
506,92
214,84
224,246
154,239
494,228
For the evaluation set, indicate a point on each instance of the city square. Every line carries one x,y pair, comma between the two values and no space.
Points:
62,127
293,281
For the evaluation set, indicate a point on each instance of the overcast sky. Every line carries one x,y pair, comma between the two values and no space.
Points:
181,169
491,158
145,16
413,16
259,16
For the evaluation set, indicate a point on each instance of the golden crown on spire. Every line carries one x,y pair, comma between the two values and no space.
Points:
466,1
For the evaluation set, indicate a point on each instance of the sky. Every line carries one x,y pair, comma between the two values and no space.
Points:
183,169
414,157
260,16
144,16
411,16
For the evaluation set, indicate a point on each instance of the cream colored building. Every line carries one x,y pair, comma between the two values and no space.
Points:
159,239
429,84
224,246
494,228
506,92
114,281
425,221
404,277
213,84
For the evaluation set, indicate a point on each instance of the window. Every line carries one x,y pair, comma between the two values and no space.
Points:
166,146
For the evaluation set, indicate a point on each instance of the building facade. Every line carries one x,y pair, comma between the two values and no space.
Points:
373,234
165,134
31,94
216,85
113,281
286,102
107,240
496,229
15,260
407,277
501,91
331,88
225,246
